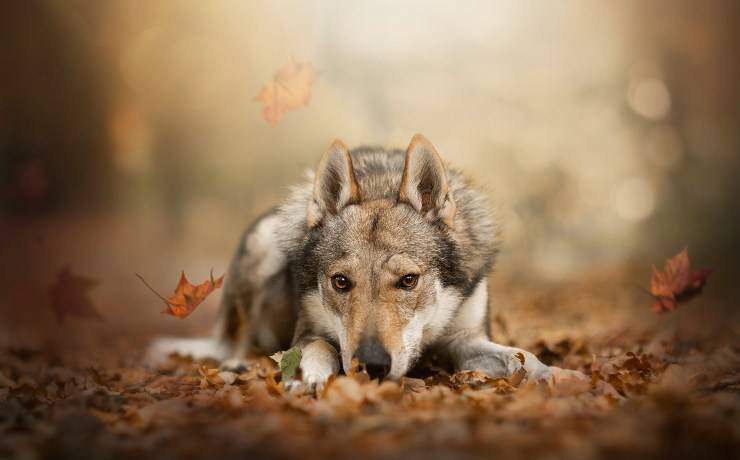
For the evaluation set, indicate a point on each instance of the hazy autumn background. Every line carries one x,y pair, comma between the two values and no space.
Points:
608,133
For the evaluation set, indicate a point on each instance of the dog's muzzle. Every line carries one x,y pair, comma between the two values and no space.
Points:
373,354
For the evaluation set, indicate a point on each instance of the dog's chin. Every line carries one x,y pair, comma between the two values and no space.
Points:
401,364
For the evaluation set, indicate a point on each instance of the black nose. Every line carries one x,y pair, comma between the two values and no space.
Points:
372,353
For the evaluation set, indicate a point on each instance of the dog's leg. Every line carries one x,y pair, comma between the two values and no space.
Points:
319,361
256,313
469,347
479,352
239,339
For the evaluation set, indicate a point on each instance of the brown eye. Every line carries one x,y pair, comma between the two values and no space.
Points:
340,282
408,282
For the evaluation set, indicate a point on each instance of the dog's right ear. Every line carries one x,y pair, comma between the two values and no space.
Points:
335,185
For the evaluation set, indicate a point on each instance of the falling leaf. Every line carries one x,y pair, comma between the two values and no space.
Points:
186,297
289,89
69,296
676,283
289,363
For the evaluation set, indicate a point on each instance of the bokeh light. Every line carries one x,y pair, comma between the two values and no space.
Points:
650,98
604,133
634,199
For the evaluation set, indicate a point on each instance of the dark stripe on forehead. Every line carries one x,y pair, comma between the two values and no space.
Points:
373,227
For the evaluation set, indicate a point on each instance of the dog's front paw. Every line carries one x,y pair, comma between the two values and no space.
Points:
312,381
295,386
536,370
237,365
318,362
501,361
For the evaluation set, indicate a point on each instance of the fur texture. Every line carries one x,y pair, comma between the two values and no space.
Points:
381,255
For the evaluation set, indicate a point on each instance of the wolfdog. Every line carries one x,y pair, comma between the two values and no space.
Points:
381,255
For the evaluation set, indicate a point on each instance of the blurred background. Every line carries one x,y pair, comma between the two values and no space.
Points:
607,133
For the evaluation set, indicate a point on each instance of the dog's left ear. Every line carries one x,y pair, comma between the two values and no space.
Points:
424,185
335,185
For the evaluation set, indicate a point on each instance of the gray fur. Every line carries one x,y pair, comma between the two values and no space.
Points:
362,213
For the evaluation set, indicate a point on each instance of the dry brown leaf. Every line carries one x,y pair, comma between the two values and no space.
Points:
69,296
566,382
413,385
289,89
186,297
477,379
676,283
518,376
209,377
473,377
629,374
344,395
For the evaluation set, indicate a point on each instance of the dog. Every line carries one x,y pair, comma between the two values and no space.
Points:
381,255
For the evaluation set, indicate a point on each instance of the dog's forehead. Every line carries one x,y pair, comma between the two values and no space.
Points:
368,234
386,229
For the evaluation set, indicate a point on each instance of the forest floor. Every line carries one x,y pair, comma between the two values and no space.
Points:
647,386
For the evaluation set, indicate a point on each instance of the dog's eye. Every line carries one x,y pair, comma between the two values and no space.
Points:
340,282
408,281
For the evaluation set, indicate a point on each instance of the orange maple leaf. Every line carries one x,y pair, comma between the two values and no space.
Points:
187,296
676,283
69,296
289,89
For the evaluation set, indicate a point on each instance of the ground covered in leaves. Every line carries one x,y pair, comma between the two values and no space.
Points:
644,387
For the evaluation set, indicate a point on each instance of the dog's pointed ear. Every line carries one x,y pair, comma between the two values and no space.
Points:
424,185
335,185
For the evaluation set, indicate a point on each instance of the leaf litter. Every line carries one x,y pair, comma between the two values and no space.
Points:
648,392
184,406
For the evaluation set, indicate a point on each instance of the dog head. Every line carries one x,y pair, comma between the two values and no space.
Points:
381,262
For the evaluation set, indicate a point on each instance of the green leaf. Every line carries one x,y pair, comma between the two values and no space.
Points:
290,362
